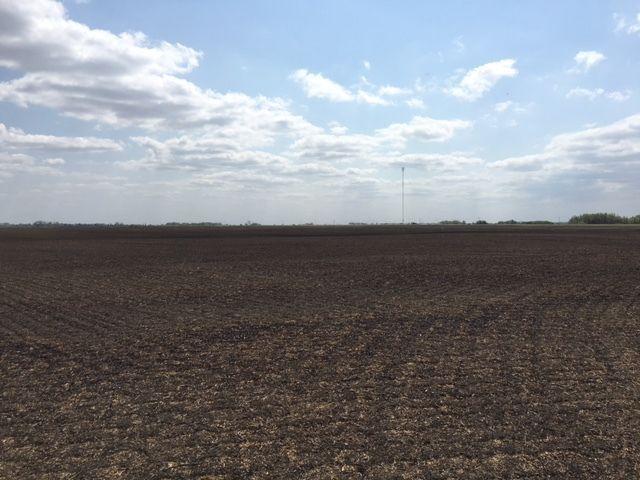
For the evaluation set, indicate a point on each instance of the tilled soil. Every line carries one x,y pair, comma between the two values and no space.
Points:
320,353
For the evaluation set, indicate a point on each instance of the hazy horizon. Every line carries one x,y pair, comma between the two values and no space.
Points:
290,112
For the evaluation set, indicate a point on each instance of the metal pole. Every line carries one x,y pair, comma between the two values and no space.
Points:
403,195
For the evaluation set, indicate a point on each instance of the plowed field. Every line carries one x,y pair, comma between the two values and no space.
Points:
319,353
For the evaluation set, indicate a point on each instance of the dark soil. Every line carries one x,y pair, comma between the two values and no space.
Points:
320,353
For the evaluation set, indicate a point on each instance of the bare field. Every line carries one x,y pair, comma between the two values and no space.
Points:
320,353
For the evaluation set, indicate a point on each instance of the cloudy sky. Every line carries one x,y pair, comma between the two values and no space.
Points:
290,111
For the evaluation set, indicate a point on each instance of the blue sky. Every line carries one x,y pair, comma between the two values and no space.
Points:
284,112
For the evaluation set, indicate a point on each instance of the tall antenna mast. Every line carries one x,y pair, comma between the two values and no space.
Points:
403,195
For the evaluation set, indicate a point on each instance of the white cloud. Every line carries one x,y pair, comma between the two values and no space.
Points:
55,161
609,187
580,92
592,94
213,141
618,96
419,86
317,86
361,148
615,146
364,81
631,27
307,154
231,180
435,161
366,64
8,160
121,80
423,129
511,106
586,60
503,106
391,91
212,165
326,147
370,98
503,114
37,36
480,80
14,138
336,128
201,152
14,163
415,103
617,140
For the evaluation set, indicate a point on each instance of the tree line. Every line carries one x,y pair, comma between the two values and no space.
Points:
604,219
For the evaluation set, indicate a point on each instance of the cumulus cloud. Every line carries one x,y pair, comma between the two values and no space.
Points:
623,25
14,163
260,172
586,60
316,153
478,81
370,98
415,103
580,92
14,138
119,79
237,180
199,152
332,147
609,187
424,129
337,128
328,147
433,161
599,149
620,139
210,140
55,161
37,36
501,107
315,85
592,94
392,91
511,106
344,147
618,96
366,64
323,176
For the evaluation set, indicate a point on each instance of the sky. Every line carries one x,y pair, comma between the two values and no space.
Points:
298,111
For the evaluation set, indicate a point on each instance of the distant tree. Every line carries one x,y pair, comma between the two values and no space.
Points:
481,222
600,219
